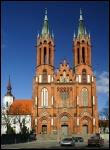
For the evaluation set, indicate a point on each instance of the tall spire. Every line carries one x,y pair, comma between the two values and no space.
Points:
45,28
9,88
81,29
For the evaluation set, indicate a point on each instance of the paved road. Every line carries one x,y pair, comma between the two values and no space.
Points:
49,144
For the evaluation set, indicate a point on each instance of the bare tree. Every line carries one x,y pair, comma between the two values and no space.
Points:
15,115
6,120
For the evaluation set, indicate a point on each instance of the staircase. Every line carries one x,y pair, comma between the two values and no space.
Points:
46,137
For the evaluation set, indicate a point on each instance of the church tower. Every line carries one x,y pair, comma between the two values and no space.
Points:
82,45
45,50
85,80
8,98
43,80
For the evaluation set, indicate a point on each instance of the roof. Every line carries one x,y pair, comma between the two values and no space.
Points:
21,107
104,123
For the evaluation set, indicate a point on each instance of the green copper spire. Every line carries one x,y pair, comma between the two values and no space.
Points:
81,28
45,29
9,88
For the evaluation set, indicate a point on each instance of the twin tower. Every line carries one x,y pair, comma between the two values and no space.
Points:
65,100
46,45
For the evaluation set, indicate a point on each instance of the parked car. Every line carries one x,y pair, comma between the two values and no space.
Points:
95,140
67,142
78,139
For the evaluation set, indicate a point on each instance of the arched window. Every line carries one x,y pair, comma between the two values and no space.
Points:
45,42
39,56
64,118
44,76
84,97
49,56
84,76
44,97
78,56
83,54
6,104
45,55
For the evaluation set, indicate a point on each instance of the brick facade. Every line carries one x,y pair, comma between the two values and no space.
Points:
64,100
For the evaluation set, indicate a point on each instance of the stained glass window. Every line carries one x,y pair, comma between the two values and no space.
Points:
85,97
64,95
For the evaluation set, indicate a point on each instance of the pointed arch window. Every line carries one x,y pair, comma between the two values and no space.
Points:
44,97
45,54
83,54
84,76
49,55
78,60
6,104
84,97
44,76
39,56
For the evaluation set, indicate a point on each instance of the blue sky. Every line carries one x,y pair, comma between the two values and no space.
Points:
20,23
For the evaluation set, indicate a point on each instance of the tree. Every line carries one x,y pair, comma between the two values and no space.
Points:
104,113
15,115
6,121
21,117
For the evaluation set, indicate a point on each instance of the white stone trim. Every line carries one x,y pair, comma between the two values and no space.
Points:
52,79
40,78
92,79
36,100
94,121
79,78
52,121
36,79
49,78
35,121
76,78
77,121
88,78
93,97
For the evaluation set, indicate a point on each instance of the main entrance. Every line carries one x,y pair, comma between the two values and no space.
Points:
85,129
64,130
44,129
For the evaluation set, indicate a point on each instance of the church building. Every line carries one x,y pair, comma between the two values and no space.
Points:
64,100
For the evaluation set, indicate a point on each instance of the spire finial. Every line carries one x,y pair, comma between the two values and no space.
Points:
9,83
46,14
9,87
81,18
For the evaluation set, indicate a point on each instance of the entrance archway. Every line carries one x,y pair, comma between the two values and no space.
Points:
64,130
85,129
44,129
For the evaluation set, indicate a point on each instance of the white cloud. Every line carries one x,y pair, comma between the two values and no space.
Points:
103,82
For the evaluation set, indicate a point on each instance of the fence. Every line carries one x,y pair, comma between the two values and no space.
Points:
16,138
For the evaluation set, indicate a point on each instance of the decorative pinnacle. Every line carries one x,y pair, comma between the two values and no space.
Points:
89,34
38,35
74,34
52,34
81,18
85,31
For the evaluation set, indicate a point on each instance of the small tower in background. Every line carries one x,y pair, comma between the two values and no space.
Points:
8,98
